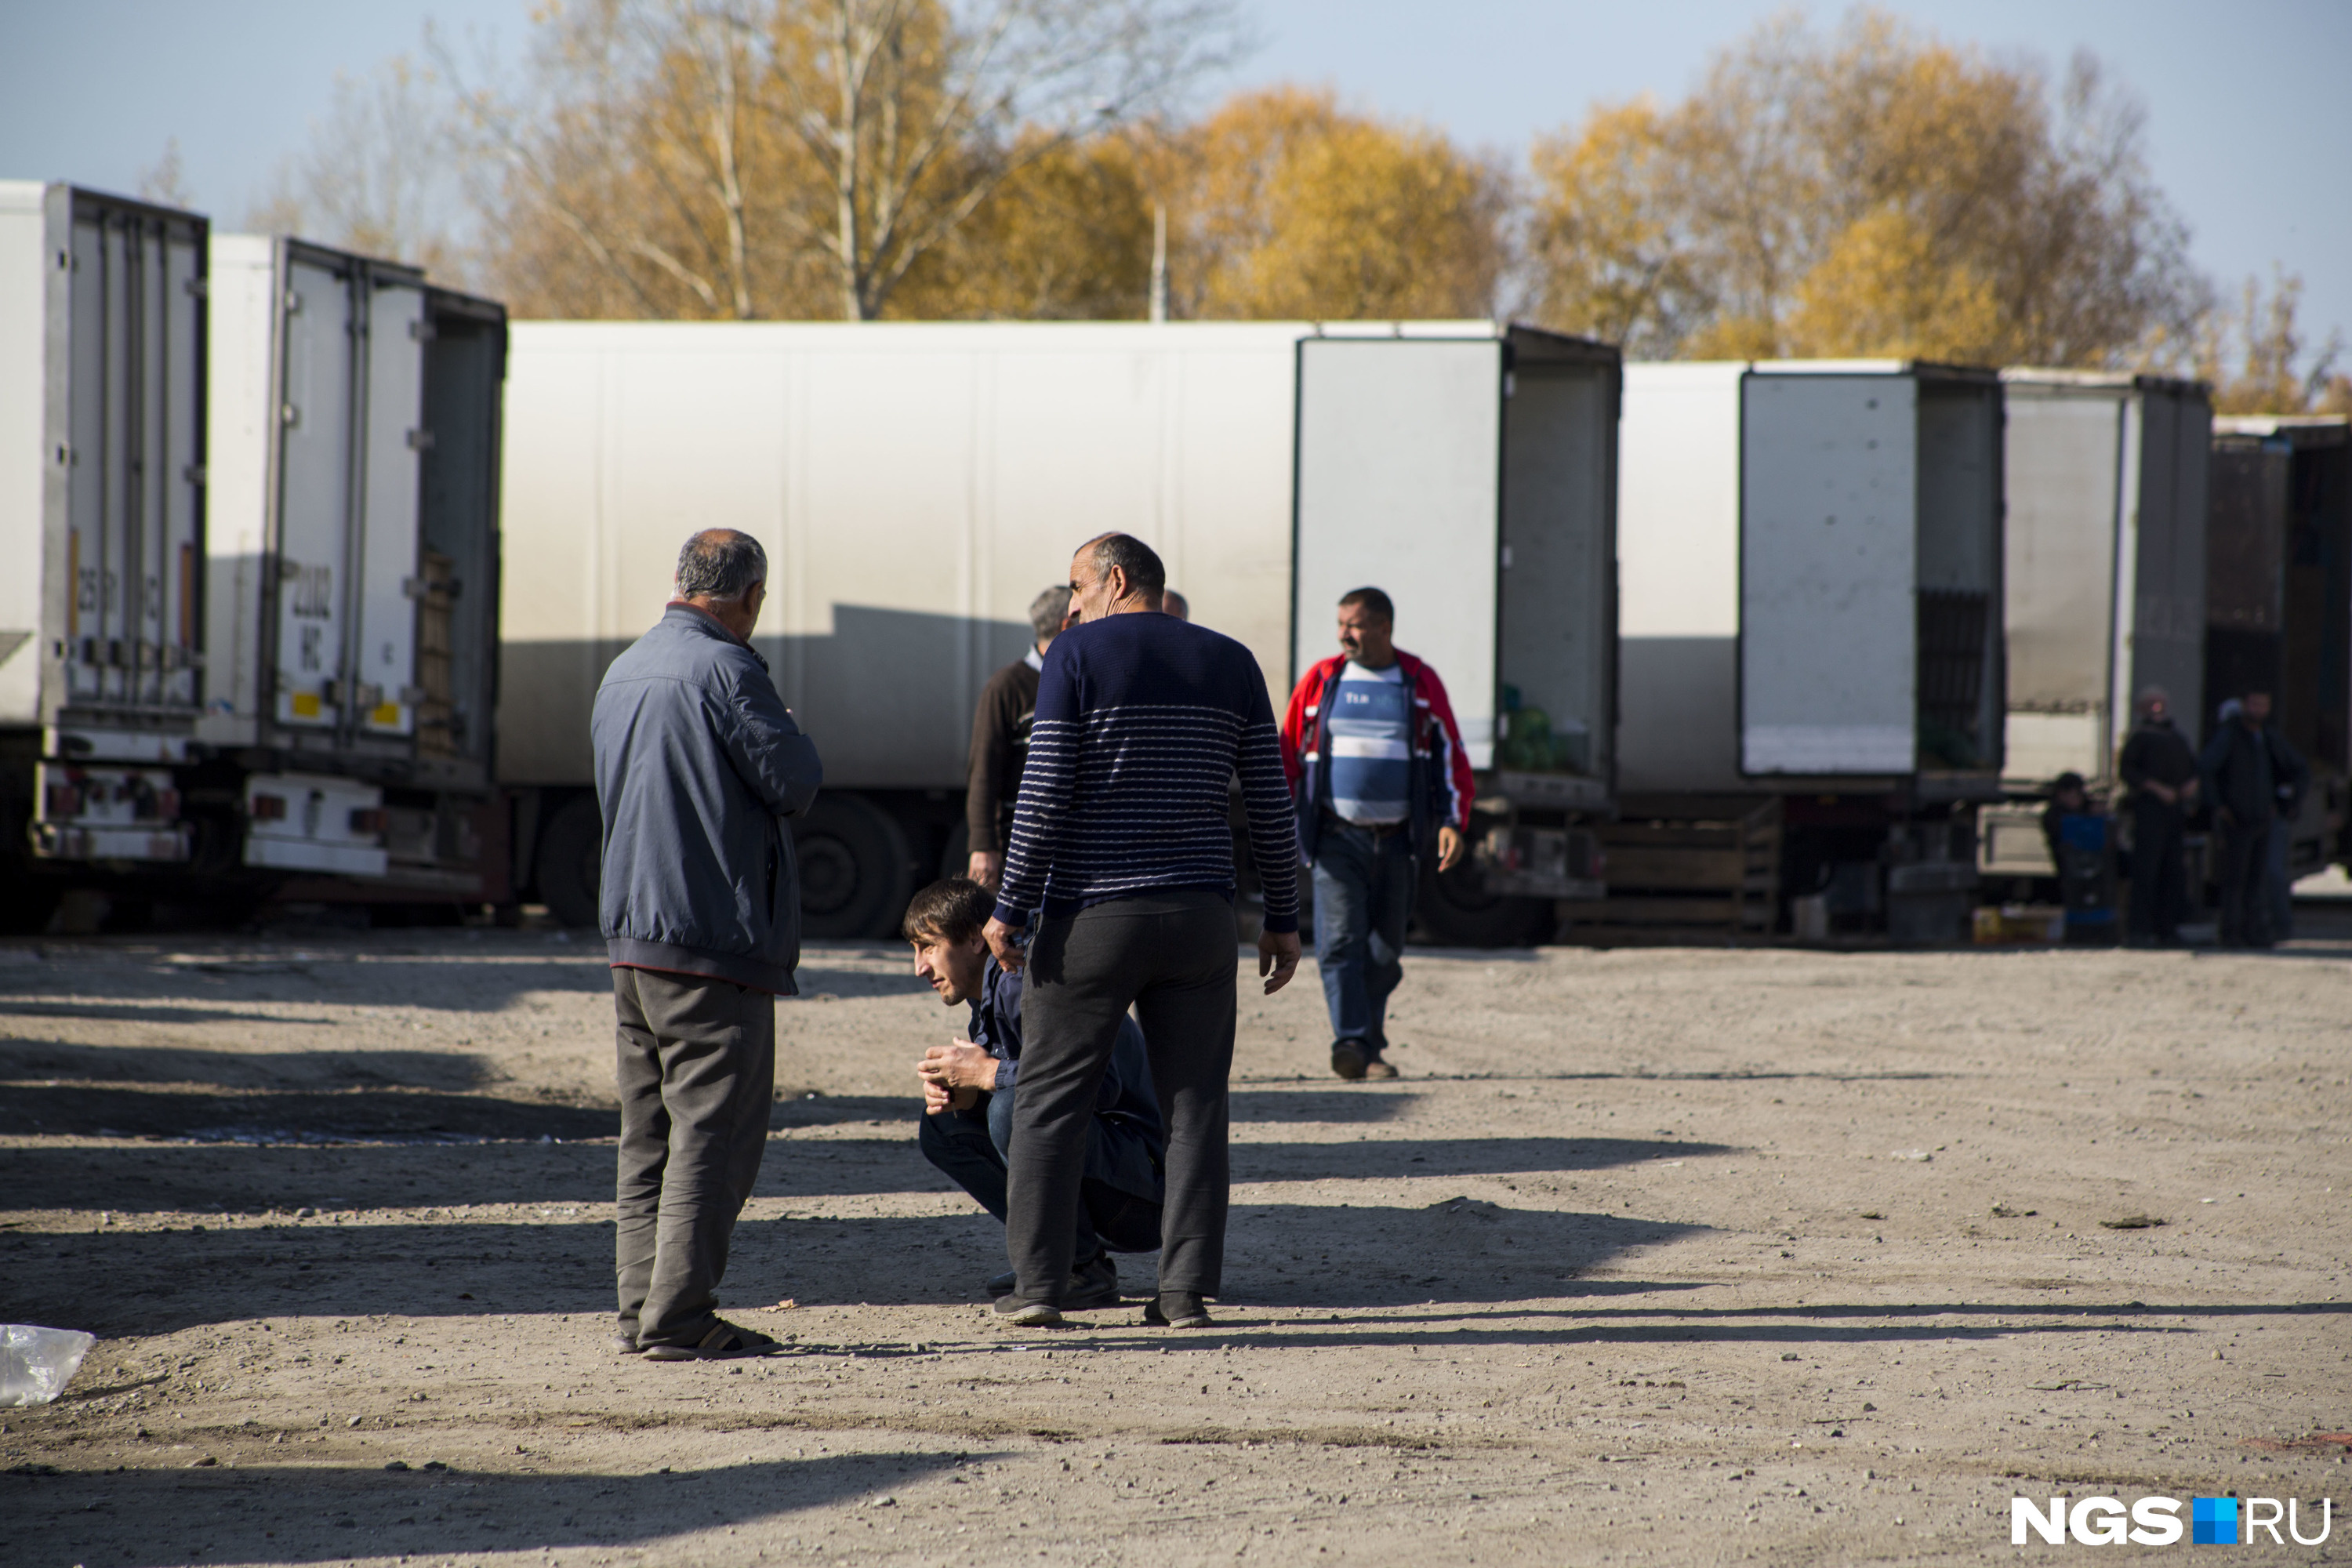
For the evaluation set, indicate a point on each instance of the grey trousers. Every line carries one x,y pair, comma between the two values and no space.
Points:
1170,957
696,1064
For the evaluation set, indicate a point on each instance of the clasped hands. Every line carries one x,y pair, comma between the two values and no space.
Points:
955,1076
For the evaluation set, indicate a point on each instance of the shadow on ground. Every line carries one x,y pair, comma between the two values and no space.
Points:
294,1514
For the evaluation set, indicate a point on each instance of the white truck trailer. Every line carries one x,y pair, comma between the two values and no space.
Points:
2105,476
916,486
2106,479
353,577
102,526
1810,560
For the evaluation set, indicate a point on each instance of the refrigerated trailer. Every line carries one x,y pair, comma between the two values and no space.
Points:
102,309
352,573
2278,603
916,486
1810,560
2104,575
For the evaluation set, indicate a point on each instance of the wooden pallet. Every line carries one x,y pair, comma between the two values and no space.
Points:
1686,867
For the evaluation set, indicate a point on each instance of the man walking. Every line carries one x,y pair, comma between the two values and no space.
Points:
1118,890
1377,771
1000,741
2251,773
697,764
2159,768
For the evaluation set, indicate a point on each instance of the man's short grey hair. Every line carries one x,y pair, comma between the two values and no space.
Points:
1145,574
1048,610
720,564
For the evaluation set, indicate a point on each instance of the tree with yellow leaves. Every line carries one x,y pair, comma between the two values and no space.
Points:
1282,205
1874,193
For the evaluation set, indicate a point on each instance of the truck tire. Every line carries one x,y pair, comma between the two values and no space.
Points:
855,880
1456,910
571,853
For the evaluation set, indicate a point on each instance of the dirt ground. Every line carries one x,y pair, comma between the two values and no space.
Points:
1651,1256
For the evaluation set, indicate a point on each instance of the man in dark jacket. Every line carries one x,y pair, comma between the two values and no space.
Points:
697,764
999,741
2251,776
969,1085
2159,768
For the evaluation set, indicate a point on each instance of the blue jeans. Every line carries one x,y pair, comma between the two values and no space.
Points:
969,1147
1363,900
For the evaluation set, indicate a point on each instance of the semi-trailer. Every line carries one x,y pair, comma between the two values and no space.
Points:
102,428
251,487
915,485
1811,560
2278,604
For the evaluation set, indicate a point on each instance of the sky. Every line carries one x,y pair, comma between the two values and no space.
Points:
2249,122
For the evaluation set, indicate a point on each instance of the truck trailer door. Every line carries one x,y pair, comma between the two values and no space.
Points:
385,701
314,517
1828,562
1399,488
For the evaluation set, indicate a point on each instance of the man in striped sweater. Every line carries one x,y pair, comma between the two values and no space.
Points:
1119,889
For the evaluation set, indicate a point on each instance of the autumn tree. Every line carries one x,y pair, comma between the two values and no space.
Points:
2254,354
374,174
1065,238
1877,192
762,158
1281,204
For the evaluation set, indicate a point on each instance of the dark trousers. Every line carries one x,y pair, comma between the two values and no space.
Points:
2245,883
969,1149
2160,884
697,1072
1170,957
1364,900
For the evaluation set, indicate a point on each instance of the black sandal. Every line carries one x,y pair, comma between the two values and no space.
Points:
725,1341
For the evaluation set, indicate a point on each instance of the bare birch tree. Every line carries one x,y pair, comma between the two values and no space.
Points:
759,158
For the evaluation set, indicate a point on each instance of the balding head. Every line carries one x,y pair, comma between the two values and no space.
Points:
1115,574
724,574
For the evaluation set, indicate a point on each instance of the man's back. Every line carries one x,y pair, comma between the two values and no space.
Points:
1143,722
695,759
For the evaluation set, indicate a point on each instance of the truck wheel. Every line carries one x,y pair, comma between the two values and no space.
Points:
853,875
30,903
571,852
1456,910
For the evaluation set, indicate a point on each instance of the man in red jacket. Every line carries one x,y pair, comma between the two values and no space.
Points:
1379,777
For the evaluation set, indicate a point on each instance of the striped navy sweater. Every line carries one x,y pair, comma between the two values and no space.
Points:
1143,722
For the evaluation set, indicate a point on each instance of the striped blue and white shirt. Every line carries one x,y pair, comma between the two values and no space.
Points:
1371,744
1142,723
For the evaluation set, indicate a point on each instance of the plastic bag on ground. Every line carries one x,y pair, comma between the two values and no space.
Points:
35,1364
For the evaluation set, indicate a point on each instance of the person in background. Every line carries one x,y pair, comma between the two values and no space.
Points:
699,763
2254,778
2070,795
1000,741
1172,603
2159,767
1119,892
1378,779
969,1085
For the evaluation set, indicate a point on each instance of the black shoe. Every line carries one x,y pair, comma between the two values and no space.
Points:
1092,1285
1021,1314
1348,1059
1000,1284
1177,1310
724,1341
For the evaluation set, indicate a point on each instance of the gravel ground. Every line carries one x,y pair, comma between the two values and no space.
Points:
1660,1257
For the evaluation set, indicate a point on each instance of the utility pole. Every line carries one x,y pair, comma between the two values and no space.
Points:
1159,262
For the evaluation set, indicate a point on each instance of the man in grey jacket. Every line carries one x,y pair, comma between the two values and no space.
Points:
697,764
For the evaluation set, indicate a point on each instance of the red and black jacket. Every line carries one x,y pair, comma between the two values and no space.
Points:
1439,787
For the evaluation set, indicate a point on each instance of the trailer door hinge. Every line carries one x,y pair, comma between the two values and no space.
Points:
197,288
293,302
193,473
420,440
289,416
421,330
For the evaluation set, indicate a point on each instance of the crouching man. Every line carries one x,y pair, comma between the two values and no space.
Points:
968,1086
